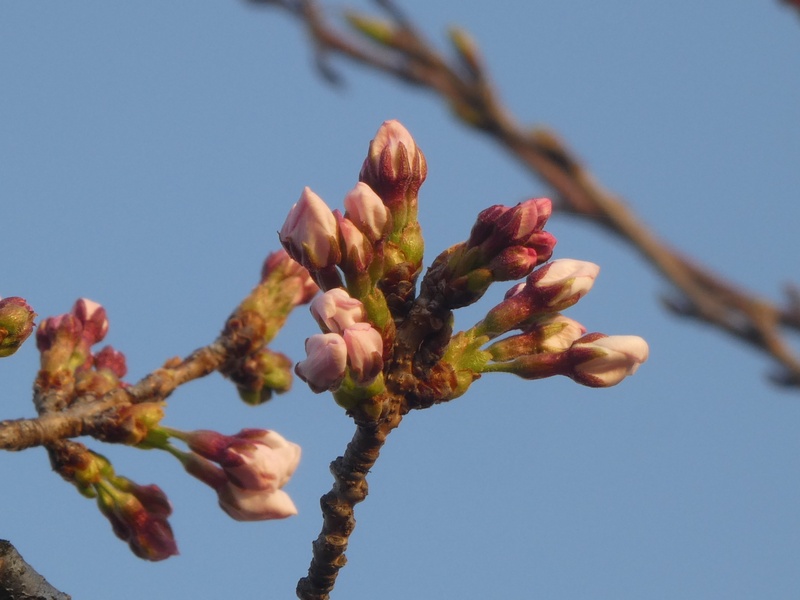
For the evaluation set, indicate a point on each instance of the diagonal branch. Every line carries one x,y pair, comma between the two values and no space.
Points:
395,47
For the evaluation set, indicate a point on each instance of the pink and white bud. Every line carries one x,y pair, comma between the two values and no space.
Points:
93,318
598,360
356,248
255,505
365,208
16,324
364,352
326,362
561,283
336,310
310,234
257,459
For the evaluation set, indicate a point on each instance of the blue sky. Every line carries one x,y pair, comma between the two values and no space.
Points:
150,151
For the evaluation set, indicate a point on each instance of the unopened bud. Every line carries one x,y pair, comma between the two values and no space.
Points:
310,234
16,324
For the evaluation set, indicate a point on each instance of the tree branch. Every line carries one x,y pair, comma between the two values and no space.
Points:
20,581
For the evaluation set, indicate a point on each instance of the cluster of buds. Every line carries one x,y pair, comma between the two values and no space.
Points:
377,247
65,343
349,347
377,244
137,513
257,371
16,324
548,343
506,243
251,468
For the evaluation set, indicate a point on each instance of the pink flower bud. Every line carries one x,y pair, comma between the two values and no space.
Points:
561,283
310,235
257,459
16,324
324,369
364,352
93,318
394,168
255,505
335,310
367,211
356,248
601,361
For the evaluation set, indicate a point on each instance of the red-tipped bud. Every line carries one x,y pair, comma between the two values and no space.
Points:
111,360
16,324
394,168
138,516
93,319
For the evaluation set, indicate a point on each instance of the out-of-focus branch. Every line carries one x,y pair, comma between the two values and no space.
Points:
394,46
91,418
20,581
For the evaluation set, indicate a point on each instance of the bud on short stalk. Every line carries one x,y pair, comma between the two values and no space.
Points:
310,233
598,360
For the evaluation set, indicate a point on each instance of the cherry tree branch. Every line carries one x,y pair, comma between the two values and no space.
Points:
20,581
395,47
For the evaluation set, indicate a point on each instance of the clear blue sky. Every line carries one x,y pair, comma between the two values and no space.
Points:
149,152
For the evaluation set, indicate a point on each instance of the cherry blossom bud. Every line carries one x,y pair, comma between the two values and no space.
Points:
365,208
257,459
93,318
309,233
335,310
601,361
16,324
324,369
513,263
395,169
364,352
561,283
356,248
138,516
111,360
255,464
499,227
254,505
